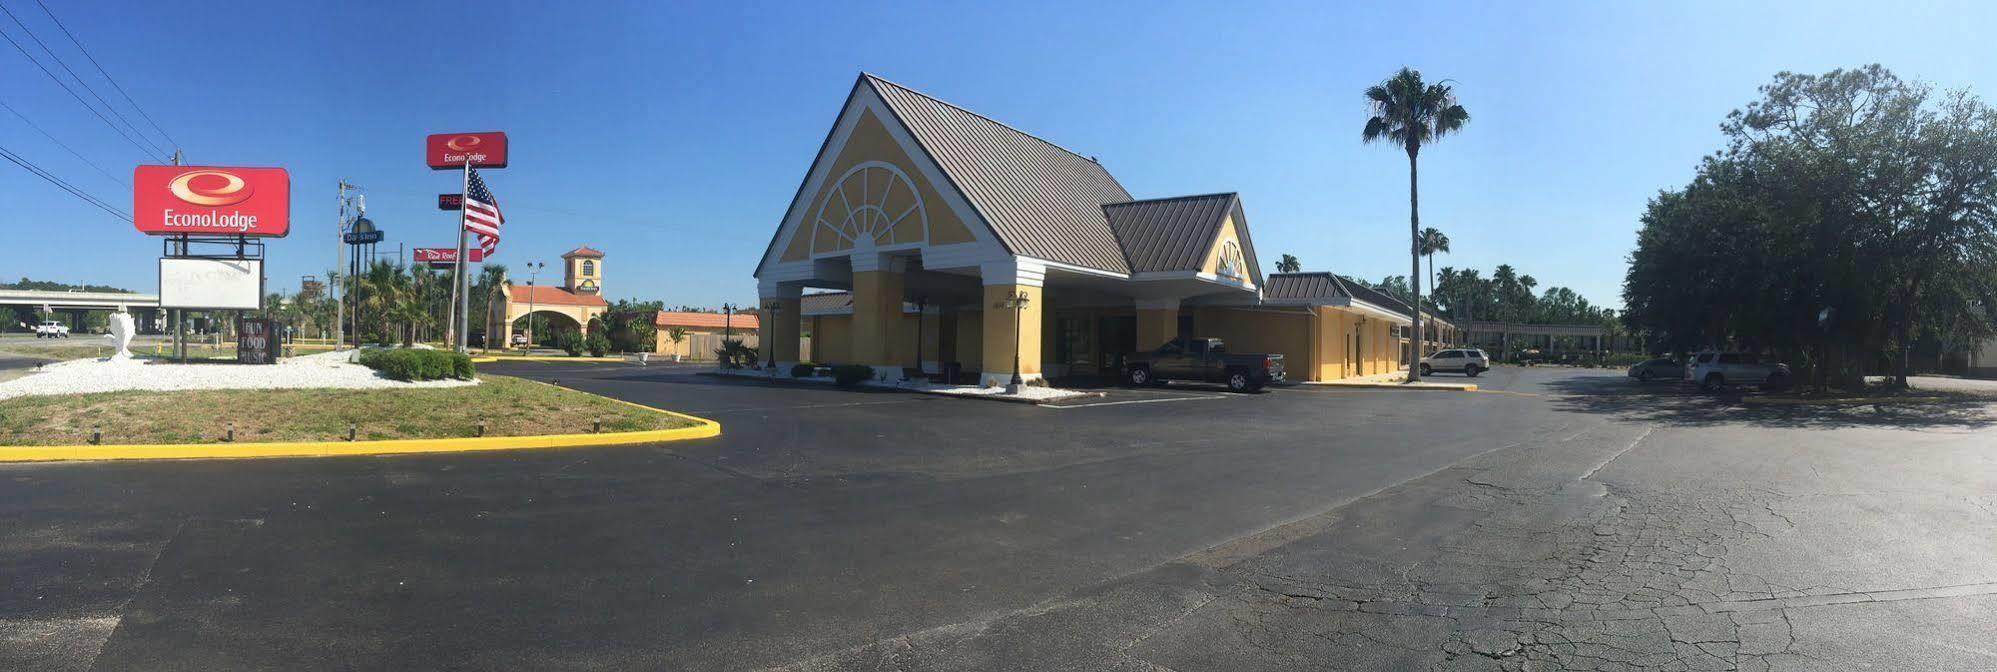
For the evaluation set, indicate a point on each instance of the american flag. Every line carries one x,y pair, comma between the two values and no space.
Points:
482,216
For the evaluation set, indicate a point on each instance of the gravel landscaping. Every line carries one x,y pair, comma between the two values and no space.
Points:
324,370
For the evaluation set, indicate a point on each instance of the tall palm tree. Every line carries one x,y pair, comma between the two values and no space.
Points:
1433,241
1409,113
492,280
1289,264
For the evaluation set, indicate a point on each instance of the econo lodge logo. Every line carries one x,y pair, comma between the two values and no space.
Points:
464,143
212,188
211,200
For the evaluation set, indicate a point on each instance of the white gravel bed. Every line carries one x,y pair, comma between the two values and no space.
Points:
324,370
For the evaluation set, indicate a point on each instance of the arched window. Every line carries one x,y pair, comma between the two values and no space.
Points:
1231,261
589,268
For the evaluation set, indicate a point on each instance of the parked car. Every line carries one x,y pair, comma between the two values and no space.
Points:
1468,361
51,330
1662,367
1203,360
519,340
1712,370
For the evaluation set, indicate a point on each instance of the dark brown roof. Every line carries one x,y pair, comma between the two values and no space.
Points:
1042,201
1322,285
1174,234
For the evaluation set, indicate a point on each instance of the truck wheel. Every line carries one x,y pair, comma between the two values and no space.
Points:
1712,382
1139,376
1238,381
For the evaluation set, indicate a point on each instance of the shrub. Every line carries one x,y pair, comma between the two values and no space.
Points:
597,344
412,364
734,355
848,375
802,370
571,342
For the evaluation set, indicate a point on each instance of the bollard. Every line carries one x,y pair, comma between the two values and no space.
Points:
481,427
596,425
96,434
352,428
230,433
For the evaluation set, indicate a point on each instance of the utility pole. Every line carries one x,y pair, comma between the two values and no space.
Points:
340,262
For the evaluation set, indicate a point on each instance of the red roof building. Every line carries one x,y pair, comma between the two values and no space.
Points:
552,296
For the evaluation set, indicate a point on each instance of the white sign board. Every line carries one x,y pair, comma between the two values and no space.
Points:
211,283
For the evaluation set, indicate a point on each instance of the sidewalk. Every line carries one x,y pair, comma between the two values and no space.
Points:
1396,381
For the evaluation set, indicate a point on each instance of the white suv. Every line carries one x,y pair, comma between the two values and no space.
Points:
1470,361
1713,370
51,330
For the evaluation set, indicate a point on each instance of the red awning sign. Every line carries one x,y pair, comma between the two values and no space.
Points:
446,255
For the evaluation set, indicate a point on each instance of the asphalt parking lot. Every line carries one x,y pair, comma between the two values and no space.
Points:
1564,518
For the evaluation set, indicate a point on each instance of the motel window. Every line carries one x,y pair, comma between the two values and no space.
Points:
589,267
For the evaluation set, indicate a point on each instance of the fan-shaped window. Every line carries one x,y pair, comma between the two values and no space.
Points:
872,205
1231,262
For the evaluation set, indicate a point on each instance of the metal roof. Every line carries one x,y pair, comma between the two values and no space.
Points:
1174,234
1322,285
1042,201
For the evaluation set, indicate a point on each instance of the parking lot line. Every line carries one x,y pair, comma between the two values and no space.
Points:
1133,401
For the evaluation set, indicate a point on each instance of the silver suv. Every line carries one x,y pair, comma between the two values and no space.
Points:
1713,370
1470,361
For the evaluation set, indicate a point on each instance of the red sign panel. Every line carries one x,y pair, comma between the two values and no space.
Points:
211,200
451,150
450,201
447,255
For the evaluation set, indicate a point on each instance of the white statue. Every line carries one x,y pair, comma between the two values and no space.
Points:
121,334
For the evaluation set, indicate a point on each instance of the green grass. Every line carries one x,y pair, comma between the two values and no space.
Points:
510,407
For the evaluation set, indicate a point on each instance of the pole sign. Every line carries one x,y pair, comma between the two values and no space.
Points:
362,237
450,201
447,255
211,201
448,151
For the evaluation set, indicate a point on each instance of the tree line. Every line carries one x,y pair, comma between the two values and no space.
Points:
1849,220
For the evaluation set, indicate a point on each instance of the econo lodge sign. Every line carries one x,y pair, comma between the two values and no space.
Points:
211,200
451,150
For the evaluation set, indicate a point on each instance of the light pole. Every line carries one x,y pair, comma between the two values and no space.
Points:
533,273
727,323
921,304
775,307
1016,303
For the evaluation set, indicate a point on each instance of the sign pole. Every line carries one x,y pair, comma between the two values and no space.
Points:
461,288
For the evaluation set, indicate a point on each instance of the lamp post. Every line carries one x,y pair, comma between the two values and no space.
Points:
533,273
1016,303
727,322
775,307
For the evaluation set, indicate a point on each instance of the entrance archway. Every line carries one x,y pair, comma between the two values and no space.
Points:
548,326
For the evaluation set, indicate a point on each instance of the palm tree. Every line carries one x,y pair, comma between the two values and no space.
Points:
1289,264
1410,113
492,279
1433,241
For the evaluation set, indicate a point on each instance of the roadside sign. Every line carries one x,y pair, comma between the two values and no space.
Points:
211,200
450,201
257,341
446,151
362,237
446,255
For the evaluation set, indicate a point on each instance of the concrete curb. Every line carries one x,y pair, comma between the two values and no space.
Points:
1851,401
704,428
785,380
543,358
1422,386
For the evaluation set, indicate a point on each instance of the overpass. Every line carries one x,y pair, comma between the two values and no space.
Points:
75,304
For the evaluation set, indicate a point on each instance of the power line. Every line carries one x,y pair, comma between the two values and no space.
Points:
79,78
52,179
59,143
106,74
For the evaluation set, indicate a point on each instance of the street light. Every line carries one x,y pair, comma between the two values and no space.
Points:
533,273
1017,303
921,304
727,322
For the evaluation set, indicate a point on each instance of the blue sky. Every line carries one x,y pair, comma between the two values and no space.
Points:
672,136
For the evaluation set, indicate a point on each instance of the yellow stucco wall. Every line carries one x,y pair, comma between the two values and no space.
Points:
998,330
782,334
1262,330
1155,327
970,339
832,339
877,297
870,141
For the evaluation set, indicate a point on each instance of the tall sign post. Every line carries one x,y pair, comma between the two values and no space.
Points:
463,151
223,209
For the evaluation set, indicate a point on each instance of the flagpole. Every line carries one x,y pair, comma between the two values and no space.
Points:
460,301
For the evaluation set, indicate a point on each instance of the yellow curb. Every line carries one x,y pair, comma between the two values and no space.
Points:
704,428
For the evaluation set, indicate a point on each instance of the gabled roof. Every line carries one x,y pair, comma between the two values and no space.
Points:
584,251
1174,234
1042,201
1317,286
698,320
551,296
